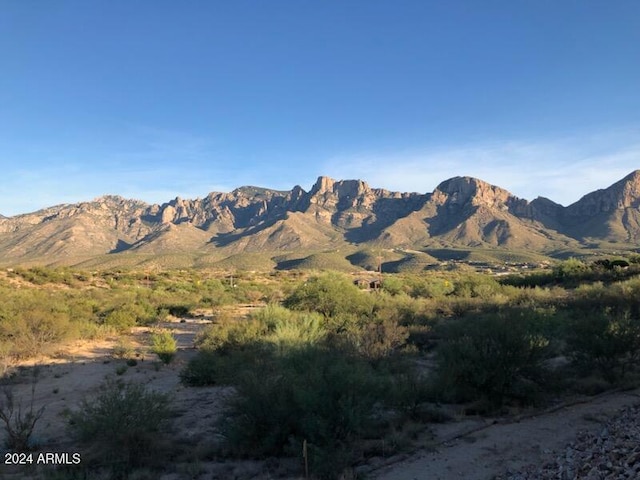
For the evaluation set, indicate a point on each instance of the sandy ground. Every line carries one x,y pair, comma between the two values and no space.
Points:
484,449
77,373
470,448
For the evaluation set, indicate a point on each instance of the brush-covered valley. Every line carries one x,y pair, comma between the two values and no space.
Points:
197,374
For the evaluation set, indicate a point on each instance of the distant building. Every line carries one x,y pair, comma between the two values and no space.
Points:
368,283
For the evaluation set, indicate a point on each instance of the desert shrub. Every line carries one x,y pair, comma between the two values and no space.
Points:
19,422
529,280
409,390
570,268
123,349
41,275
375,338
608,341
285,328
35,329
222,367
535,297
162,314
481,286
123,425
202,370
229,335
330,294
301,376
231,347
178,310
492,357
164,345
122,319
392,285
429,287
326,399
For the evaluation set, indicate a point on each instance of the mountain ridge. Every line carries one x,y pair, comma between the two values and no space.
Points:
460,212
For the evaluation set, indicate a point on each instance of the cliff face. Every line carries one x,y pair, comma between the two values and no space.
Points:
460,211
611,214
621,195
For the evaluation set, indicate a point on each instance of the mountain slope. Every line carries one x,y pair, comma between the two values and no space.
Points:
610,214
460,212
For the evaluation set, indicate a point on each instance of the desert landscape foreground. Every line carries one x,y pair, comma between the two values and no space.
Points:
446,373
585,437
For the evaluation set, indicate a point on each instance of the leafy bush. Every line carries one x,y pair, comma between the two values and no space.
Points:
164,344
608,341
330,294
493,357
322,397
392,285
429,287
481,286
229,335
122,319
284,328
202,370
123,424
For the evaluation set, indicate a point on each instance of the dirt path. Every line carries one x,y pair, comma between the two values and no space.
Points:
483,450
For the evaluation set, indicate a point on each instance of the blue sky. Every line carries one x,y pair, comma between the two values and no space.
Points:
153,99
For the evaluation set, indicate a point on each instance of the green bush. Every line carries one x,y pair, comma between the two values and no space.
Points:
608,341
330,294
481,286
164,344
392,285
202,370
123,424
322,397
229,335
231,347
122,319
429,287
285,329
492,357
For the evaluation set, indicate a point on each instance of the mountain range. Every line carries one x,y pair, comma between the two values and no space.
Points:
461,213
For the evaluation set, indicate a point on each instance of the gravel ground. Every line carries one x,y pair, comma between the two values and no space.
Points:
612,453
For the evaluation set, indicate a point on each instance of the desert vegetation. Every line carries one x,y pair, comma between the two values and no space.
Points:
316,369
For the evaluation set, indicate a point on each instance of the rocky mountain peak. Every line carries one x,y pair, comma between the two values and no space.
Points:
469,190
630,191
623,194
322,185
341,188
